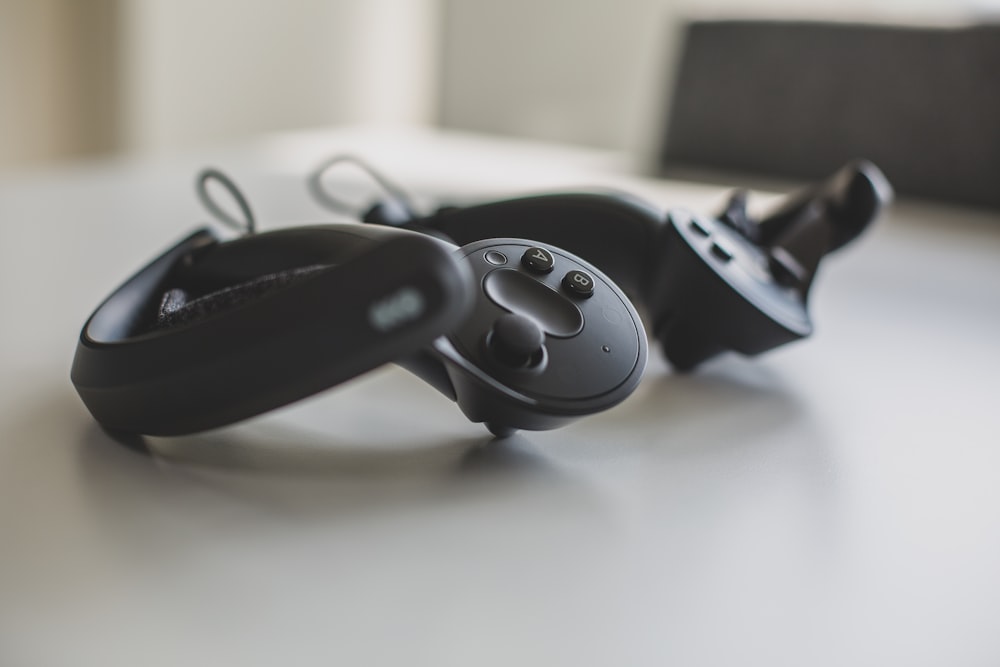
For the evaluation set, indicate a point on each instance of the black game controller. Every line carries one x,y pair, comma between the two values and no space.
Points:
549,338
707,284
522,335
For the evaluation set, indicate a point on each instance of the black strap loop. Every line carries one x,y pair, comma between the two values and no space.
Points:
248,225
396,197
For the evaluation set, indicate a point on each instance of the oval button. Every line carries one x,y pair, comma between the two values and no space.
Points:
518,293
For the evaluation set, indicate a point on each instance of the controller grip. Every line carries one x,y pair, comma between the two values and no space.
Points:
847,203
384,299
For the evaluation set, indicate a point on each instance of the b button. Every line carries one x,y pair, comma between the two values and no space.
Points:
538,260
579,283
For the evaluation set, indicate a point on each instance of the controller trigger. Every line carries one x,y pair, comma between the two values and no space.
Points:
735,216
785,268
795,255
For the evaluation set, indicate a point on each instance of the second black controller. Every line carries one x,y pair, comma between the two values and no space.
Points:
707,284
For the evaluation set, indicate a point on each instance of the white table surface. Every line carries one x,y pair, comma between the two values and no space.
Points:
836,502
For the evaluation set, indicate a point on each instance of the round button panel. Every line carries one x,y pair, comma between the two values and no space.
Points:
593,345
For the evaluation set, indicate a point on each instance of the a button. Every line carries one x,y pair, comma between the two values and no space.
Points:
538,260
495,257
699,227
579,283
722,252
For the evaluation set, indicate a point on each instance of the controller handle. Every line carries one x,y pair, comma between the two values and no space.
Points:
814,221
250,325
847,202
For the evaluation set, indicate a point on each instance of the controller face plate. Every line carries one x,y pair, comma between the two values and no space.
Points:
595,346
744,266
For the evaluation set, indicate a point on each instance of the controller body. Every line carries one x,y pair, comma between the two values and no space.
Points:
522,334
706,284
213,332
549,338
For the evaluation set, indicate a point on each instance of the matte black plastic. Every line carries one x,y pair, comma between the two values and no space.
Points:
521,292
707,285
516,341
272,318
570,376
311,335
720,301
341,300
610,230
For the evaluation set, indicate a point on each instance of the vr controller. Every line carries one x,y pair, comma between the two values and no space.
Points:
707,285
522,334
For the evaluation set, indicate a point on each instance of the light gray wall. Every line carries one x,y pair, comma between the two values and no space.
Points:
564,70
148,76
81,78
217,70
58,79
598,72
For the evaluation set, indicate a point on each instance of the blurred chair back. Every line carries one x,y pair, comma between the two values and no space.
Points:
797,99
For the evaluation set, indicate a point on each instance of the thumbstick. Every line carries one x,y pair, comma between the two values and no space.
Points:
515,340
